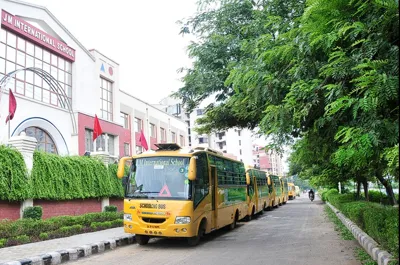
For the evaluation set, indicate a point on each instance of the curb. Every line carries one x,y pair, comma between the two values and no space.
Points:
371,246
62,256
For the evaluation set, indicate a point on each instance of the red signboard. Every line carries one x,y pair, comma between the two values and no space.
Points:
38,36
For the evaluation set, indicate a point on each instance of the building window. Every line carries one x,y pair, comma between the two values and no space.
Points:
17,53
203,140
106,99
153,132
182,140
125,120
139,149
240,151
88,140
100,142
44,140
199,112
239,132
126,149
162,134
138,125
173,137
240,142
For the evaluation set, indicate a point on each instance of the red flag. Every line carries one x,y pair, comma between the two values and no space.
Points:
97,131
12,106
142,140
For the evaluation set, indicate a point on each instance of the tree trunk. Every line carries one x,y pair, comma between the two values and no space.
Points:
388,187
365,184
358,189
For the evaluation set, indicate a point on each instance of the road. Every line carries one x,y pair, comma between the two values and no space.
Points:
295,233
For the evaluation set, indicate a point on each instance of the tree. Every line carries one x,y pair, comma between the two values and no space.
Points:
324,72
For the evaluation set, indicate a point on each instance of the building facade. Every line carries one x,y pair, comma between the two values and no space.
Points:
269,161
233,143
60,86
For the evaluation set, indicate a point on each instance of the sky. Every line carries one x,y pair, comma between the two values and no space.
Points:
141,36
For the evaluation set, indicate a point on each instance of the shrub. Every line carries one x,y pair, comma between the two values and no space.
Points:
111,208
34,212
73,177
329,193
54,227
101,225
14,181
44,236
339,199
23,239
382,224
3,242
355,210
70,230
380,197
117,223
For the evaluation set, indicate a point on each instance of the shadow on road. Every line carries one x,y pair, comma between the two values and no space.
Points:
180,243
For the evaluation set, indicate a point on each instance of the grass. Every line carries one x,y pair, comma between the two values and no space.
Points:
364,257
339,226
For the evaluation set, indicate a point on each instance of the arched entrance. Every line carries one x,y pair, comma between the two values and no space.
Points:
45,132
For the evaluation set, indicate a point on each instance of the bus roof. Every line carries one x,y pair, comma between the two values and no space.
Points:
172,149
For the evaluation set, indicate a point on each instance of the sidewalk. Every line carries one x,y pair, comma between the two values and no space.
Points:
39,249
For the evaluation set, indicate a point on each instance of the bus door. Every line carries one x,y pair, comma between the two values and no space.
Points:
214,198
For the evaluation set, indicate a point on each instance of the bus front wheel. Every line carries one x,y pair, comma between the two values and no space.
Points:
142,239
195,240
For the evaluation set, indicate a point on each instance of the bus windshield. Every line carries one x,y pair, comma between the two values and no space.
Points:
160,177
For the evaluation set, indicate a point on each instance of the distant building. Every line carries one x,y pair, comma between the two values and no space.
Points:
269,161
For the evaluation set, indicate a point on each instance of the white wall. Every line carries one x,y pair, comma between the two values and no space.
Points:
33,113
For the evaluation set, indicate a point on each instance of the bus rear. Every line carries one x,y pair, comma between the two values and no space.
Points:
291,191
257,191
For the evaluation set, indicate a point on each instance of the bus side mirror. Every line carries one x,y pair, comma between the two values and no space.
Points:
121,166
192,169
247,178
269,181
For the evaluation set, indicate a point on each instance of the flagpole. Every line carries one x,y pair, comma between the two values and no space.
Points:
9,129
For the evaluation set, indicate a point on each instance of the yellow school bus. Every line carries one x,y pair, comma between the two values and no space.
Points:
257,191
172,192
284,186
291,191
275,191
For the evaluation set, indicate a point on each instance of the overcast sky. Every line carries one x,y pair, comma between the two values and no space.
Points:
142,36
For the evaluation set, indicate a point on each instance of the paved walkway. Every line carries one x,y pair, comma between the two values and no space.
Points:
39,248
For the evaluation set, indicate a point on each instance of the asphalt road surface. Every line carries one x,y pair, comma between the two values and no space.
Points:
296,233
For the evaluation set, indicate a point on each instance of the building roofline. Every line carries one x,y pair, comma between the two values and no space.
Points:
126,93
108,58
57,21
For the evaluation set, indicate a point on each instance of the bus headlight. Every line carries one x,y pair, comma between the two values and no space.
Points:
127,217
182,220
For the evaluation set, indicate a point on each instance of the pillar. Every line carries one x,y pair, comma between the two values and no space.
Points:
105,158
26,145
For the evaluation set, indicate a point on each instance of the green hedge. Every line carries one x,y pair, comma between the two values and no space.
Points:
14,181
61,178
378,221
27,230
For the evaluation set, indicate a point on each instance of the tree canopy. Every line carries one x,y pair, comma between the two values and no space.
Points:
321,72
